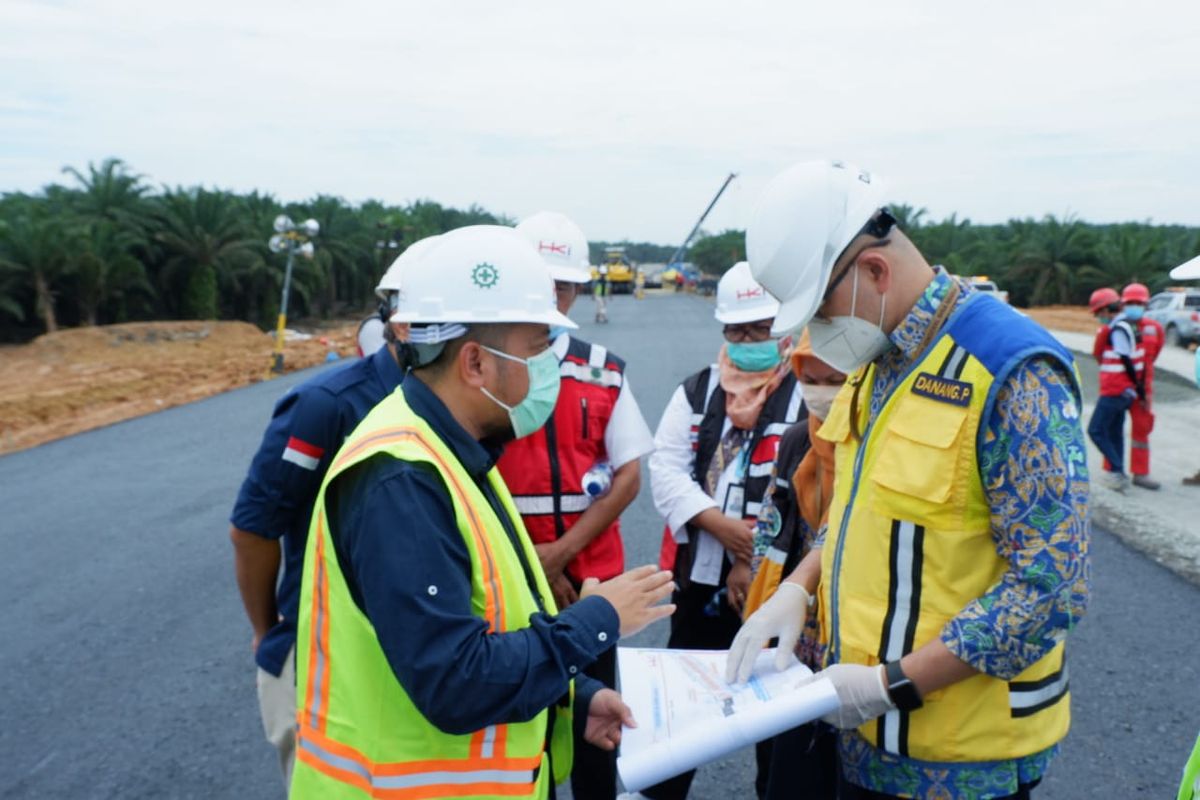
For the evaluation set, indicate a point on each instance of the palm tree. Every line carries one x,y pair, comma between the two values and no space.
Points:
205,235
110,192
908,217
107,276
1126,254
1048,257
34,245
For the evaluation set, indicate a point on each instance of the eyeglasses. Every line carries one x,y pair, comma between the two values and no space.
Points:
749,332
878,226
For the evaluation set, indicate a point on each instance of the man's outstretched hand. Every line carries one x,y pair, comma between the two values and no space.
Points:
606,714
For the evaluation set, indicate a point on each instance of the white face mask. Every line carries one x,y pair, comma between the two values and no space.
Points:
847,343
819,398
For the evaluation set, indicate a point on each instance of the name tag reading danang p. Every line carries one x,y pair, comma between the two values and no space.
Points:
943,390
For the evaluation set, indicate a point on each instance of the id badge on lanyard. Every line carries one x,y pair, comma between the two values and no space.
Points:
735,493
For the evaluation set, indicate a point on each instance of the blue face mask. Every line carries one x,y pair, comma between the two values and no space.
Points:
1134,312
531,413
556,331
754,356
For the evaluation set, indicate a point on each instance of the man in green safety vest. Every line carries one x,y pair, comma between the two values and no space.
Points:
431,659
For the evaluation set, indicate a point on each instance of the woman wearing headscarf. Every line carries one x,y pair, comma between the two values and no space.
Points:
787,542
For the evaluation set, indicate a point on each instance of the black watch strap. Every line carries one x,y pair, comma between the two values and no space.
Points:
901,690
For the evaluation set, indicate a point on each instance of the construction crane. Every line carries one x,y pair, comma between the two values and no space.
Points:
677,256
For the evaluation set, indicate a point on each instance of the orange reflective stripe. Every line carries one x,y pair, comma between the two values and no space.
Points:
413,779
317,689
476,745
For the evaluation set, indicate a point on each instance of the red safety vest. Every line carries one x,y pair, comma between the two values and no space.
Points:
1100,344
544,471
1114,380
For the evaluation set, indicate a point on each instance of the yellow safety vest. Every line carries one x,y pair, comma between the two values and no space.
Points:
909,544
360,735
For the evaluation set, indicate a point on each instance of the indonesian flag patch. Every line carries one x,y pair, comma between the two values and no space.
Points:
302,454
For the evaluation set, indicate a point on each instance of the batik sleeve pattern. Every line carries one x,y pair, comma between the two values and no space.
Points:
1034,466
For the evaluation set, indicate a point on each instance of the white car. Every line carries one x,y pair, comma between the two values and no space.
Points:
982,284
1178,311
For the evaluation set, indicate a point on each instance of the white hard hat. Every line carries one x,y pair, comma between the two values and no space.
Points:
560,243
1188,270
804,220
479,274
390,282
740,298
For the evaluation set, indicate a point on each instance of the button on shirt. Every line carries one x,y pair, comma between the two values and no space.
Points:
276,499
409,570
1033,464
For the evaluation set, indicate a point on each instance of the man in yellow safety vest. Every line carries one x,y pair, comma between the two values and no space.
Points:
955,560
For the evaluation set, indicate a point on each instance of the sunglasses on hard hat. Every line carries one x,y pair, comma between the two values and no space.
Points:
752,332
878,226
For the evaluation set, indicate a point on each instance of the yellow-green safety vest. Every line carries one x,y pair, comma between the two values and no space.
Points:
359,733
909,542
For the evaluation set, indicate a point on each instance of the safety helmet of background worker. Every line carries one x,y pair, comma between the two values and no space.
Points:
390,282
805,219
560,243
1103,298
1135,293
740,298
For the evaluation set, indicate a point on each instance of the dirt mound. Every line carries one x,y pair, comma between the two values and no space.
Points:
75,380
1076,319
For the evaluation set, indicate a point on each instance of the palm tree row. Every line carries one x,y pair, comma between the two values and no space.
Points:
108,248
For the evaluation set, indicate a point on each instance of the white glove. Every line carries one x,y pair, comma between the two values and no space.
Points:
862,694
783,615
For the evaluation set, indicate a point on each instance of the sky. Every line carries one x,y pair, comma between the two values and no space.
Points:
627,116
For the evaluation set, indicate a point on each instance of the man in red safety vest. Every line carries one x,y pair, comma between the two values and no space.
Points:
1150,337
573,477
1122,383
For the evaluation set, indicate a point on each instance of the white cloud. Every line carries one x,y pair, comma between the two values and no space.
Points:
625,115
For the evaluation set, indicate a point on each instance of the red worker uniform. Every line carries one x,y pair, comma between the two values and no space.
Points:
1141,415
544,471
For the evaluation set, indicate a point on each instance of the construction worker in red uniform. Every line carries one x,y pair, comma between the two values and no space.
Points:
573,477
1134,298
1122,374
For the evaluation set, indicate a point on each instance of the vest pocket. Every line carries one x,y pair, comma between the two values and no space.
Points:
918,456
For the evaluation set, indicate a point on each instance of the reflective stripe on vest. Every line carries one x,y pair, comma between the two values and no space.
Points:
531,504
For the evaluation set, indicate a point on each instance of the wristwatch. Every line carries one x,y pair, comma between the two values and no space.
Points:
900,689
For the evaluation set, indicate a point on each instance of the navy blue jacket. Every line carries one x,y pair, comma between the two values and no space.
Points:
276,500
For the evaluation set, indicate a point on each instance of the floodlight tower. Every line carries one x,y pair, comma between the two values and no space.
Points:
292,239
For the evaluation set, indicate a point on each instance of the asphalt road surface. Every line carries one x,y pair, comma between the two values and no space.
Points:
126,670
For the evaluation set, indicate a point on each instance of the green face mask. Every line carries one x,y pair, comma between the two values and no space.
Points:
754,356
531,413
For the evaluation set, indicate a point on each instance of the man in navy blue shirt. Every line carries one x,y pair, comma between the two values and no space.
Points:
275,506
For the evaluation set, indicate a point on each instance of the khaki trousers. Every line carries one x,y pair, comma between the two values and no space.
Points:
277,704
